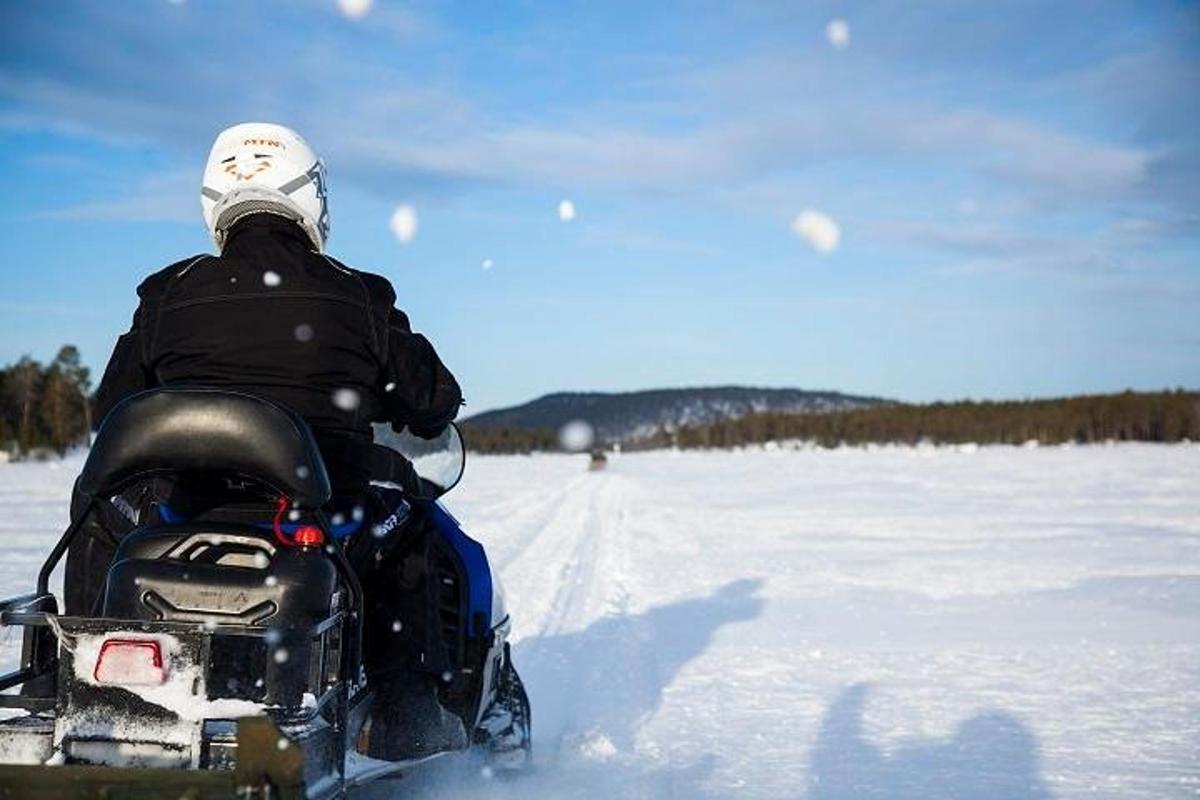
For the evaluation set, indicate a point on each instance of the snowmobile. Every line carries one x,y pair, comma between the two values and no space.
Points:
224,657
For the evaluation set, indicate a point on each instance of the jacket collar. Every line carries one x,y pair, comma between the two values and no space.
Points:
255,227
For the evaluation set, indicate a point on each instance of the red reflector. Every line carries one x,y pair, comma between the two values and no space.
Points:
309,536
130,662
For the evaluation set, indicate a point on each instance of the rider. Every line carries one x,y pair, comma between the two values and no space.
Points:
275,316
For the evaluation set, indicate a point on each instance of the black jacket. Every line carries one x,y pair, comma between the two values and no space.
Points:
272,317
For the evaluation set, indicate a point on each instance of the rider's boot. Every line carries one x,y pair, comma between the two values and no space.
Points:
408,722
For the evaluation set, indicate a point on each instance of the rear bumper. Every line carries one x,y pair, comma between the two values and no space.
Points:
263,769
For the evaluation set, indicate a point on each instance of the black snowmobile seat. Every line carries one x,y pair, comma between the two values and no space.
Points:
199,430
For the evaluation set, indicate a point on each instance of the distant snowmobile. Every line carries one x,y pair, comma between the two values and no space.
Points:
224,657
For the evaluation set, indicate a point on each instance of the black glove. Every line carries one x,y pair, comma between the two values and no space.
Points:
427,433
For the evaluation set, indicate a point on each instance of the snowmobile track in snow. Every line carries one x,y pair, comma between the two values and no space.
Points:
827,625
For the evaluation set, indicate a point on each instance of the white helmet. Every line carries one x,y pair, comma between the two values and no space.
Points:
259,167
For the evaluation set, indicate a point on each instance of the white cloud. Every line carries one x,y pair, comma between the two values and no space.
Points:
355,9
730,126
818,229
837,32
168,196
566,211
404,223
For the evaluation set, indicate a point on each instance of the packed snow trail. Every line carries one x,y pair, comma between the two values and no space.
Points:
900,623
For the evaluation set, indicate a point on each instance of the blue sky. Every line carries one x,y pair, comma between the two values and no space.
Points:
1015,184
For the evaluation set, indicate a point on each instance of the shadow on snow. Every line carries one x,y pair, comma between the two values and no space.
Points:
991,755
591,690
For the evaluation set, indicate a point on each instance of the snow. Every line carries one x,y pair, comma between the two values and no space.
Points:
882,622
355,9
182,692
837,33
818,229
576,435
346,399
404,224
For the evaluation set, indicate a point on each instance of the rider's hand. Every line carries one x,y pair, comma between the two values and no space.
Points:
427,433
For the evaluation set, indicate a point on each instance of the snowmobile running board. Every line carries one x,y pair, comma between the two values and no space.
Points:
265,770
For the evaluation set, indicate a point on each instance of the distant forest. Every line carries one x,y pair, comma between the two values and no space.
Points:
509,439
44,407
1128,416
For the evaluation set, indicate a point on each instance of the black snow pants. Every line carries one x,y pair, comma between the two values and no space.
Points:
394,559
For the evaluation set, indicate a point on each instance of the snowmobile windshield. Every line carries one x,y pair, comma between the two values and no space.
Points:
439,462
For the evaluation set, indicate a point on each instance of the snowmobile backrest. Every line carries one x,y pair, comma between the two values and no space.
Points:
189,430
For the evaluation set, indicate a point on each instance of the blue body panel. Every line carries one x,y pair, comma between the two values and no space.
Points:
479,572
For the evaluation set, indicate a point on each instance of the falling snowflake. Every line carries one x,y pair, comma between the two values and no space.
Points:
566,211
355,9
818,229
837,32
397,626
302,472
576,435
346,399
303,332
271,278
281,655
487,264
404,223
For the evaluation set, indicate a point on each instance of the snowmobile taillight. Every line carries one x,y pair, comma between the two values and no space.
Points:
130,662
304,536
309,536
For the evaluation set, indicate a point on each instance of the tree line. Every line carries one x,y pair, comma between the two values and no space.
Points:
44,406
1168,416
506,439
48,407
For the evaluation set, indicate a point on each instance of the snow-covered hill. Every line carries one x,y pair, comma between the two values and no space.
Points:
624,416
827,624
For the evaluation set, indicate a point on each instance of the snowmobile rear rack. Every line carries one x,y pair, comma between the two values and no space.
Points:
267,768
